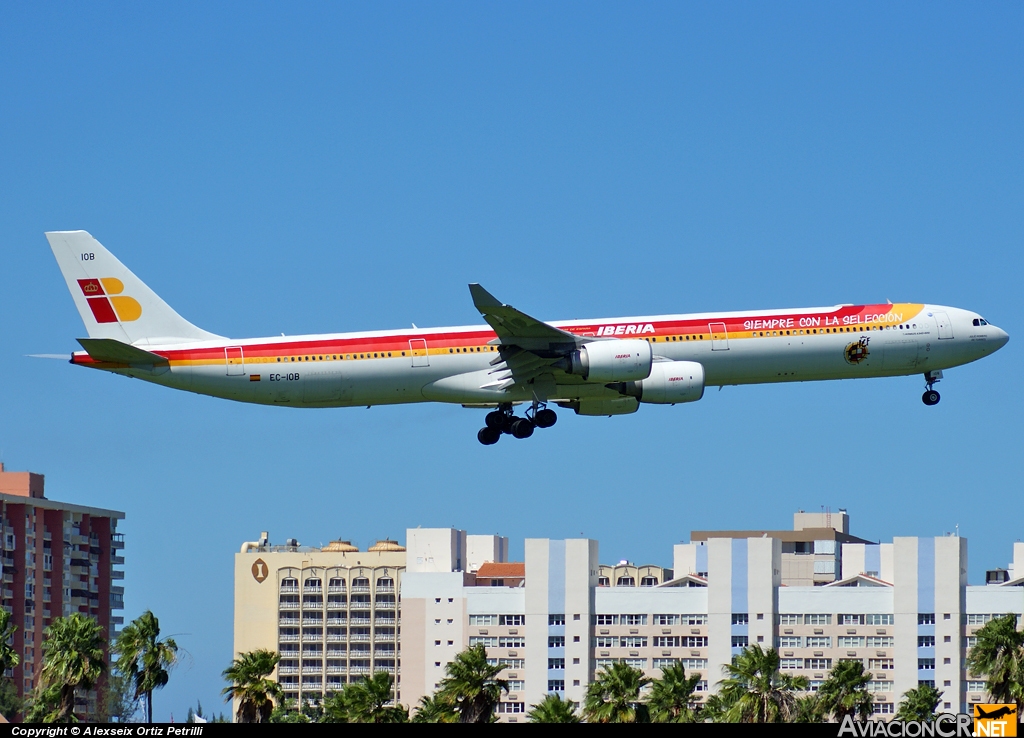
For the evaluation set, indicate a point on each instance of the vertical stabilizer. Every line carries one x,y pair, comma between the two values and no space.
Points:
112,301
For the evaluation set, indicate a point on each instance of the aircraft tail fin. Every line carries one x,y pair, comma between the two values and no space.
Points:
112,301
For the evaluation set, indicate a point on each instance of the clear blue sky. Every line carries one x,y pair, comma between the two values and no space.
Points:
274,168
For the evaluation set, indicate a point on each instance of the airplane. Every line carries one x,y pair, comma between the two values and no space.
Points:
593,367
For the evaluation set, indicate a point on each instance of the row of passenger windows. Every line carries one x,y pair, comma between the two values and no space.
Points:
666,339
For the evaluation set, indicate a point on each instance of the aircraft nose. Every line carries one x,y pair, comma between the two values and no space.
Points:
1002,337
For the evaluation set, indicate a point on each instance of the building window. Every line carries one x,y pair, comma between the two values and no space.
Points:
694,619
636,663
926,641
880,664
558,619
926,664
739,641
926,682
879,641
790,619
556,664
603,582
625,582
634,642
511,708
512,642
516,685
847,619
818,664
978,619
483,619
976,686
850,641
694,642
879,619
606,642
512,620
666,641
926,618
556,685
666,620
790,641
634,620
649,581
790,664
819,641
740,618
817,619
485,641
883,708
607,619
879,686
556,641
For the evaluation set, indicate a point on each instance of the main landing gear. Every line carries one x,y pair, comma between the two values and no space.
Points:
930,396
503,421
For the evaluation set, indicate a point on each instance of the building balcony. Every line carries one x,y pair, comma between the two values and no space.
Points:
289,622
116,574
384,621
384,605
312,606
312,638
312,621
359,638
359,620
336,621
386,589
336,669
390,669
117,540
288,638
288,606
312,670
313,590
335,639
289,590
359,670
361,588
336,590
287,670
384,638
117,560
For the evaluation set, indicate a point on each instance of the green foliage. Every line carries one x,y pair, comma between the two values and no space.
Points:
845,691
553,709
671,699
250,685
614,696
117,701
9,658
808,709
286,712
73,659
755,691
999,657
10,703
919,703
145,658
367,701
435,709
471,685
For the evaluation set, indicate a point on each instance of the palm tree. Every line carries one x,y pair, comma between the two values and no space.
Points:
370,701
435,709
999,657
845,691
808,709
145,658
8,656
919,703
73,658
251,687
671,699
756,691
553,709
614,696
471,685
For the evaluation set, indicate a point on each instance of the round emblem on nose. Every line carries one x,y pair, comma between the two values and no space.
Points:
259,570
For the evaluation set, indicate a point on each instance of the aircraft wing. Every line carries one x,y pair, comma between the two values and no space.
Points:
527,348
516,328
115,352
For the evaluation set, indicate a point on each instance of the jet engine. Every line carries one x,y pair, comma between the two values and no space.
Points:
669,382
610,361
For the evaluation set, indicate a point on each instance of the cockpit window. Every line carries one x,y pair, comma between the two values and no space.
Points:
980,321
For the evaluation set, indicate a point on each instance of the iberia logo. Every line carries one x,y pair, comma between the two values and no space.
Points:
107,303
857,352
995,720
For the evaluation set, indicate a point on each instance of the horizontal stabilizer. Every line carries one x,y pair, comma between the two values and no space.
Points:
65,357
114,352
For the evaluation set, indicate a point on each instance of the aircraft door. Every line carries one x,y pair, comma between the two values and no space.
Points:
418,349
719,337
234,360
943,324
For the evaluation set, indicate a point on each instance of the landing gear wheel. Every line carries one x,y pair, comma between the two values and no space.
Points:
488,436
495,420
545,418
930,397
522,428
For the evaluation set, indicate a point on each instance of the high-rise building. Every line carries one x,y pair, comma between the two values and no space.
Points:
57,559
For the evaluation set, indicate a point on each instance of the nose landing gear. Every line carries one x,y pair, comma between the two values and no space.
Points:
930,396
502,421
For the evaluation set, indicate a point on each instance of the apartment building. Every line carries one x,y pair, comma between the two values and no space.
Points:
904,609
57,558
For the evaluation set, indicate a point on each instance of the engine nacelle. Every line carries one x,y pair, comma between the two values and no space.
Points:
669,382
610,361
